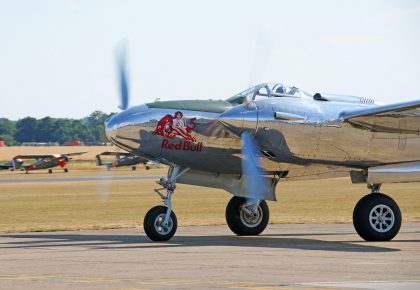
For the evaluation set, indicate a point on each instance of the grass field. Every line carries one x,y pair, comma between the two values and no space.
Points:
102,204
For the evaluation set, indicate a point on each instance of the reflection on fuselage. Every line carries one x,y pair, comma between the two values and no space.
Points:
317,144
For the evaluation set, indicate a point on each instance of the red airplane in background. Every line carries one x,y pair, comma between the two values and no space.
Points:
47,161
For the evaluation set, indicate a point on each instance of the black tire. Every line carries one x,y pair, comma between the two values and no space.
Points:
66,170
238,224
49,171
366,218
133,168
147,167
151,229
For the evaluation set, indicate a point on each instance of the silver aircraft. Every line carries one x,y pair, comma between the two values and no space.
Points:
247,143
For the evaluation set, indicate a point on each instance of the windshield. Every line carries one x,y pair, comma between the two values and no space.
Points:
266,90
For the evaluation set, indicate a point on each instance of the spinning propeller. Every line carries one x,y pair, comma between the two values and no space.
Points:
122,75
104,183
239,120
256,183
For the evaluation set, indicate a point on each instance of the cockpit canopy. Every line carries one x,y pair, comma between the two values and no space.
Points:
267,90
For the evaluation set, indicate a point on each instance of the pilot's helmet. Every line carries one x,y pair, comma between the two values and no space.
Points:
18,161
280,90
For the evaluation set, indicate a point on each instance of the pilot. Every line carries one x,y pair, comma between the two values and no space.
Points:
280,90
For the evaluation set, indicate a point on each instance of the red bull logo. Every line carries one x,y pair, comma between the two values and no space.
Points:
177,125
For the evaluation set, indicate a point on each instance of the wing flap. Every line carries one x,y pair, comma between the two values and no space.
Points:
396,118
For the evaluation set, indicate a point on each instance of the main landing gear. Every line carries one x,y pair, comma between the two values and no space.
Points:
376,216
246,217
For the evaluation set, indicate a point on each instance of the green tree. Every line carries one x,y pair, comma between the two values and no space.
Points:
26,130
7,127
45,130
95,122
9,139
7,131
61,130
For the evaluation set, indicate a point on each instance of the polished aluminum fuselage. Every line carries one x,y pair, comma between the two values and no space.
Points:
313,143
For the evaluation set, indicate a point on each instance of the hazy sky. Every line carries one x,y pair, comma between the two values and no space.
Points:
57,57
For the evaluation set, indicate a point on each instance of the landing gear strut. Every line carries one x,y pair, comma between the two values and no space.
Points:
376,216
246,217
160,222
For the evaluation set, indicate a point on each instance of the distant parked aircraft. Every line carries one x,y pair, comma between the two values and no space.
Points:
122,159
45,161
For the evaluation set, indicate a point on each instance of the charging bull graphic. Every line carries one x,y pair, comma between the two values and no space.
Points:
172,126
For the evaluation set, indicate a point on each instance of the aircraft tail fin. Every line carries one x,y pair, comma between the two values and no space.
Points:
394,118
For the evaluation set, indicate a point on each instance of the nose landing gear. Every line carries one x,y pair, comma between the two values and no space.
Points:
160,222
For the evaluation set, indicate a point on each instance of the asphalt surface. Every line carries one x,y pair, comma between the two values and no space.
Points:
77,179
284,257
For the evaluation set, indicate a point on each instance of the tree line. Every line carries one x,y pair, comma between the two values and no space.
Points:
89,130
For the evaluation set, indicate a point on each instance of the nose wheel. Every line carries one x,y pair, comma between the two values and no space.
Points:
155,226
160,222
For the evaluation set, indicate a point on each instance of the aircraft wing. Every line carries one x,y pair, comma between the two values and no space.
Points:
33,156
74,153
5,166
109,153
394,118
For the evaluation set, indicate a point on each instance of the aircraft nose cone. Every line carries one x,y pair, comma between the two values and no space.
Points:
111,126
240,118
114,126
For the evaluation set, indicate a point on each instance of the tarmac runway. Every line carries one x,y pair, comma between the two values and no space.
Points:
209,257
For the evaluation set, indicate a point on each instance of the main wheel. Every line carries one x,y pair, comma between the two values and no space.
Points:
133,168
154,227
377,217
243,223
49,171
66,170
